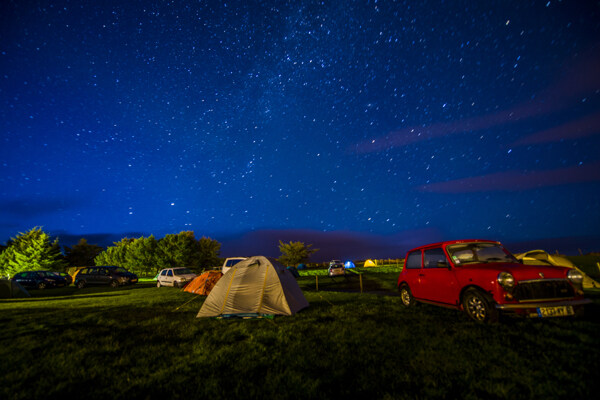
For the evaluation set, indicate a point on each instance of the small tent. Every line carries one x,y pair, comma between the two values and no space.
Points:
254,287
370,263
541,257
203,283
349,264
10,289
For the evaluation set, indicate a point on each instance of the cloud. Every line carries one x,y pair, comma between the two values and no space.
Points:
23,208
99,239
578,80
583,127
516,181
332,245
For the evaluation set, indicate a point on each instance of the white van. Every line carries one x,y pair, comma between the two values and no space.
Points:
230,262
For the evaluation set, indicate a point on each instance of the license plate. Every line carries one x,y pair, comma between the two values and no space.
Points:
559,311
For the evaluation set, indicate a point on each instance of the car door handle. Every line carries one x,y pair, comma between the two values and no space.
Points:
421,274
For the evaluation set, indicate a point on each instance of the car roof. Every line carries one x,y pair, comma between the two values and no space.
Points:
449,242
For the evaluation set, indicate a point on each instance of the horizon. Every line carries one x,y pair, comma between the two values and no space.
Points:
342,245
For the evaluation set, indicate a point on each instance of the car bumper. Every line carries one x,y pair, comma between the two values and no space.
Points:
538,304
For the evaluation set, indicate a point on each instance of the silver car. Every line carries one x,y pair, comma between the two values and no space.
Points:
176,277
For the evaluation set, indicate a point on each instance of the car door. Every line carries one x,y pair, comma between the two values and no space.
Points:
168,279
412,272
438,282
104,276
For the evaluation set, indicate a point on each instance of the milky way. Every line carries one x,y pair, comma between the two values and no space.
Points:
388,122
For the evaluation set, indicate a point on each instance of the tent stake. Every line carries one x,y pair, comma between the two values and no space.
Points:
317,282
360,279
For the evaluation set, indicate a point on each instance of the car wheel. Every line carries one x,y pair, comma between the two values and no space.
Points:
158,284
406,296
42,285
80,284
478,307
114,284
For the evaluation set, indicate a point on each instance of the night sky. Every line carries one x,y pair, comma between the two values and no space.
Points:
363,127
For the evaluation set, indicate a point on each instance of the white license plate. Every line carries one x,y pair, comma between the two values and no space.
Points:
559,311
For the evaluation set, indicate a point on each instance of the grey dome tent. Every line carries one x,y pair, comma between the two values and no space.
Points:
10,289
254,287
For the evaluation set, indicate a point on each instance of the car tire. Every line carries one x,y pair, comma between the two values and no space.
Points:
114,284
479,307
41,285
158,283
406,297
80,284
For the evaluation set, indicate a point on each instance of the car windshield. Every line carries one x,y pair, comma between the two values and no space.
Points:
464,253
182,271
120,270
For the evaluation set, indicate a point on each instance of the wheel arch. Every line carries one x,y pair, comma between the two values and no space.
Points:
486,293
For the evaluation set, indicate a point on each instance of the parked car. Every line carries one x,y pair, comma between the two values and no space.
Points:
336,268
230,262
104,275
176,277
67,277
39,279
484,279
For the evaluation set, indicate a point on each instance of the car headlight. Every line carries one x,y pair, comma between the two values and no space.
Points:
575,276
506,280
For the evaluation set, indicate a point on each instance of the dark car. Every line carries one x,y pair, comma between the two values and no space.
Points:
484,279
104,275
67,277
39,279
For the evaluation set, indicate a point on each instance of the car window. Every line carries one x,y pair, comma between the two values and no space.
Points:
182,271
413,260
163,273
170,273
431,258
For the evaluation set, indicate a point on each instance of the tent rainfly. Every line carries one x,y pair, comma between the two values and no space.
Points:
203,283
10,289
257,286
370,263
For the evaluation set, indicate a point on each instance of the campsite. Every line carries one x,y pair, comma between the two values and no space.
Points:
353,339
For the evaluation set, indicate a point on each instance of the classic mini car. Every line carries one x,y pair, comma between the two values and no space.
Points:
484,279
176,277
336,268
40,279
104,275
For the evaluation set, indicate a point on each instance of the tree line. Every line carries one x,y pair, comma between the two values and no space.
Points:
34,250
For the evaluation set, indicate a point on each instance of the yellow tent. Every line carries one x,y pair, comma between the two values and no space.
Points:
541,257
370,263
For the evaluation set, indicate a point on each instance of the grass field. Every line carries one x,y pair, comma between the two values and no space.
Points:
144,342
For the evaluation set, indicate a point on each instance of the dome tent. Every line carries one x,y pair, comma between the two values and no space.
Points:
254,287
203,283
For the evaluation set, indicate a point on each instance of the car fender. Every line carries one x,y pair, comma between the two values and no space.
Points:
487,294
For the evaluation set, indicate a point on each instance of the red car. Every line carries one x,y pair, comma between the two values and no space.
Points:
484,279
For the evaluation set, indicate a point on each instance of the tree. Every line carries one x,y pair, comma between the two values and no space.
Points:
114,255
141,255
178,250
294,253
31,251
208,252
82,254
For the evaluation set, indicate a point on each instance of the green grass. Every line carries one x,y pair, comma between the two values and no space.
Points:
144,342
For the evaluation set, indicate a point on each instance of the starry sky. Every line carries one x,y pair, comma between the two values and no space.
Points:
363,127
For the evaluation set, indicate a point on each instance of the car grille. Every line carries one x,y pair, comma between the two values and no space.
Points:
543,289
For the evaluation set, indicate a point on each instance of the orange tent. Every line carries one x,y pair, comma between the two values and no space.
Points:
203,283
